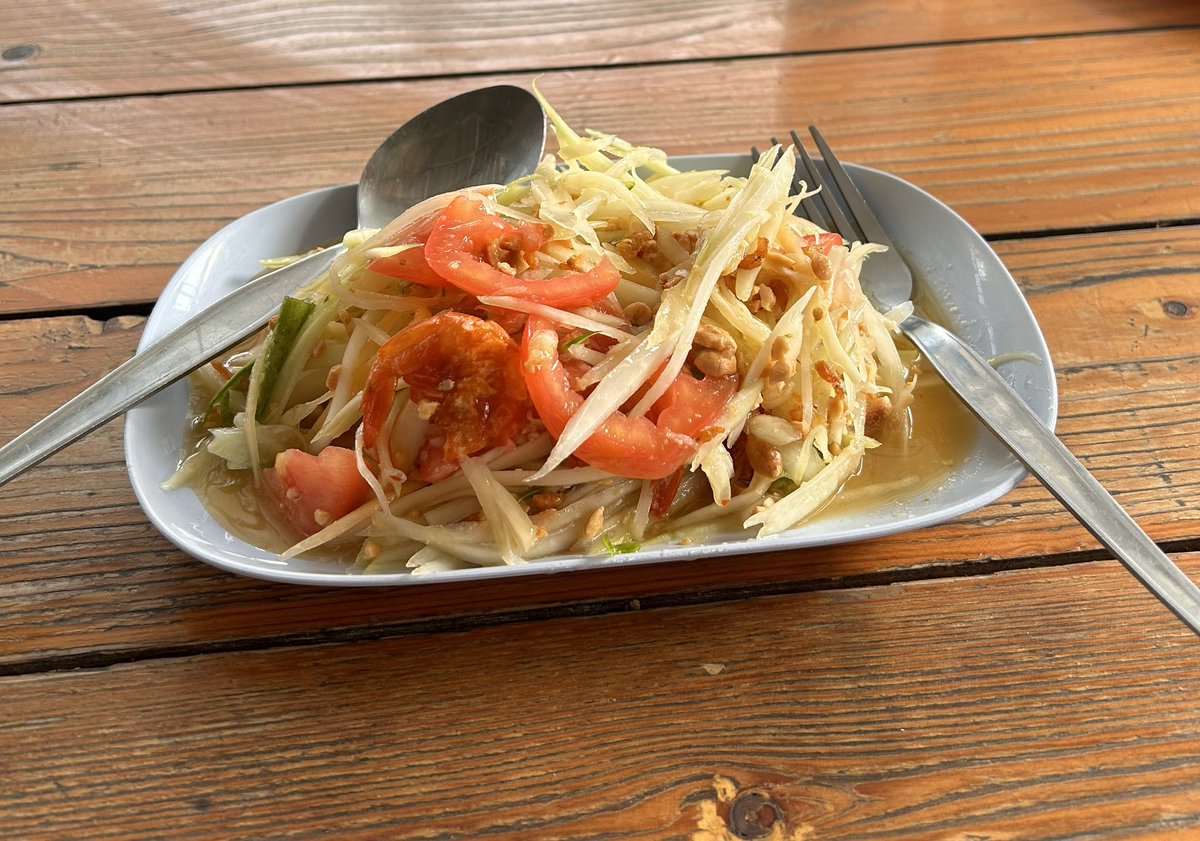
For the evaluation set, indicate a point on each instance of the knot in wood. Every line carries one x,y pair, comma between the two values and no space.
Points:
1176,309
753,815
20,52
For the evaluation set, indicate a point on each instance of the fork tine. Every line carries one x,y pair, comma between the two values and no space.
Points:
810,205
840,223
858,205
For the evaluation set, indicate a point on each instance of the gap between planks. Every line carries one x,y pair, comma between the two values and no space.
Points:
536,69
459,623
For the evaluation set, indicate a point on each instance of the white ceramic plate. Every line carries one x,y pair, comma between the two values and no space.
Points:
958,269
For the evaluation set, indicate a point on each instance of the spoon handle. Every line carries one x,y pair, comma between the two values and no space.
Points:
190,345
1000,408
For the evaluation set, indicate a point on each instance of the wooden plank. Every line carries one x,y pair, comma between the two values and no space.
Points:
113,47
1037,704
83,575
106,198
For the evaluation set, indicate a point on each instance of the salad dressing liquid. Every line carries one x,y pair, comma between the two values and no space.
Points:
942,433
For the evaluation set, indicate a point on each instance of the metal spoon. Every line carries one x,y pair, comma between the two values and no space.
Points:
486,136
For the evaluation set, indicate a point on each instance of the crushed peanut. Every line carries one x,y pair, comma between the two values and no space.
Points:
766,298
505,254
643,246
688,239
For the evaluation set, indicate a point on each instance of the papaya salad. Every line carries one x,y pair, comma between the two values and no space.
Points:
606,354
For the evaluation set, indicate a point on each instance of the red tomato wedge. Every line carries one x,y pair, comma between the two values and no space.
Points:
458,249
410,264
470,368
640,448
313,491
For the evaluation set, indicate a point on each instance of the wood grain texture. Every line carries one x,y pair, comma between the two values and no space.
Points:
79,48
1037,704
105,198
83,575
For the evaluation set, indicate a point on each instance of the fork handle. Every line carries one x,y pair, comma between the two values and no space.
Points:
1000,408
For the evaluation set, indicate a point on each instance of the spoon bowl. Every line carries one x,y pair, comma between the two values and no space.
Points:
485,136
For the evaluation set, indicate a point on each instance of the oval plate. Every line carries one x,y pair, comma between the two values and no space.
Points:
953,263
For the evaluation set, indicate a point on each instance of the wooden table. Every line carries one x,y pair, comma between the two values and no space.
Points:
996,677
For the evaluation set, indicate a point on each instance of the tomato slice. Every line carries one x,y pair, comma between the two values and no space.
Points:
313,491
824,243
663,493
640,448
466,241
410,264
470,368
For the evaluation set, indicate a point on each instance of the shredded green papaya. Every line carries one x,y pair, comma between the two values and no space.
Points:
292,316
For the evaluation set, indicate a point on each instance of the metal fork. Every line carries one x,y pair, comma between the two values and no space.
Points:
887,281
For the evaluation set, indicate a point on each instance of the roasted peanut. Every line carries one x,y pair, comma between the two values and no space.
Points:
717,351
545,501
711,336
780,348
639,313
715,363
594,524
879,409
821,267
777,377
764,458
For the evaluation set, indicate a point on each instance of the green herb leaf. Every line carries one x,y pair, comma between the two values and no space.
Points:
220,400
625,548
530,494
582,337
